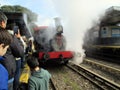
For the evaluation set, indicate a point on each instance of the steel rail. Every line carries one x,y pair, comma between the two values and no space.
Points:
96,76
86,77
52,84
102,65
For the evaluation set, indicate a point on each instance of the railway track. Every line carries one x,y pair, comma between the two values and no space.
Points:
98,80
106,66
63,78
52,85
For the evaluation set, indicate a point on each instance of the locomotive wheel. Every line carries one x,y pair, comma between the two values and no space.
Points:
46,56
61,59
65,61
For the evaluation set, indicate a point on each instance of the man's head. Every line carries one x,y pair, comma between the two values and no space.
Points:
32,62
5,41
3,20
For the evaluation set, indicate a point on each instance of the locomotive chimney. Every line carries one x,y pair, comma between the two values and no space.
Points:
57,21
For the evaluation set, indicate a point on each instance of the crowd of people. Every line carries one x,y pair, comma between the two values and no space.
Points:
12,56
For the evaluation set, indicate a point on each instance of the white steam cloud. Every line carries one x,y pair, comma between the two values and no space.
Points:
77,16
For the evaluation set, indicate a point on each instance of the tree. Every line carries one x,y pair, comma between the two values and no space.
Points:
32,17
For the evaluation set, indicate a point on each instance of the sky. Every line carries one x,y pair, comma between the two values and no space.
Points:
76,15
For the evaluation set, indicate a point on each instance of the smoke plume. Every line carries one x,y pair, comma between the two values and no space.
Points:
77,16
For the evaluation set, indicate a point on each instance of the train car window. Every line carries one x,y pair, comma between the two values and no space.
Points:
115,32
103,32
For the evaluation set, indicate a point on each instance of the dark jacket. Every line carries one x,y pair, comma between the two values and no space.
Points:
39,80
3,77
15,50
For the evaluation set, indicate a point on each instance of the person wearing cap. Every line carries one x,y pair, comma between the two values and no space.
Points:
39,79
5,41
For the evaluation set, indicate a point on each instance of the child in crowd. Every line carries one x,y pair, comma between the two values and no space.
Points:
5,41
39,79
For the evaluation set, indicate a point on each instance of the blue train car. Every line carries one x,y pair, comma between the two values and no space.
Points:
106,42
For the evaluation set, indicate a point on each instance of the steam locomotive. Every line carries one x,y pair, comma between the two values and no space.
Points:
104,40
51,44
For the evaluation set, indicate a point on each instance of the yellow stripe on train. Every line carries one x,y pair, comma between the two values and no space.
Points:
105,46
